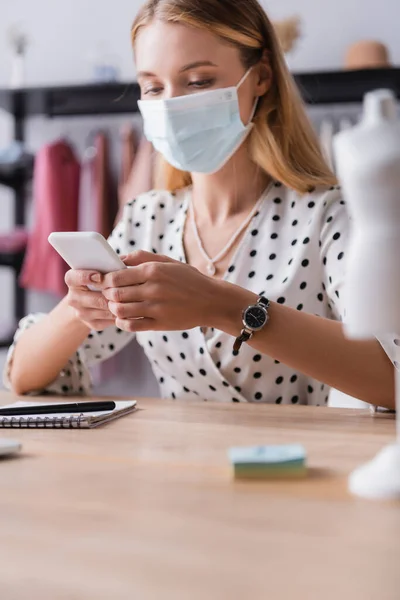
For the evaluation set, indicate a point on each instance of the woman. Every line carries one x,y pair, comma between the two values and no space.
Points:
250,220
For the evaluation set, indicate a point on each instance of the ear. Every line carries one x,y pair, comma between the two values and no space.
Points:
264,75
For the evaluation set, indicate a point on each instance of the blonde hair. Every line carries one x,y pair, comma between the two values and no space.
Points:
282,141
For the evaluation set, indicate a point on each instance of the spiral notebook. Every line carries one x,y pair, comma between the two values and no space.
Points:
76,420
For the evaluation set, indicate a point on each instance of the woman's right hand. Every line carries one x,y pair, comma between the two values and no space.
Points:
90,307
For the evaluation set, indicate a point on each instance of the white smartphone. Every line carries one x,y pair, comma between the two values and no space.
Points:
86,250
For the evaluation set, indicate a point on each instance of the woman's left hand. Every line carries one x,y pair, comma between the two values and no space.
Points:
159,293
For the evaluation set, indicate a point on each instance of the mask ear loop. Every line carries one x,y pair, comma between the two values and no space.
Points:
245,76
253,112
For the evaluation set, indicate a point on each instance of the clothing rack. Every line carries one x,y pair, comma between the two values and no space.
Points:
52,102
334,87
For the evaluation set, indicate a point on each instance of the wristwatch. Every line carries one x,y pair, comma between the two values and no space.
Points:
254,318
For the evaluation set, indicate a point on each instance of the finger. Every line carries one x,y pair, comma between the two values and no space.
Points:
131,293
100,325
129,310
124,278
84,299
141,256
148,271
136,325
78,278
90,315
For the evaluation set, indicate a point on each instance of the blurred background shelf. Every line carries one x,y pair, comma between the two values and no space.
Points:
121,98
73,100
343,87
14,260
13,176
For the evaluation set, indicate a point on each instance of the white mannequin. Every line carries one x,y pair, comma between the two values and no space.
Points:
368,166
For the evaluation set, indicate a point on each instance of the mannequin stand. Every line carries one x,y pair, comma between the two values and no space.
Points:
380,478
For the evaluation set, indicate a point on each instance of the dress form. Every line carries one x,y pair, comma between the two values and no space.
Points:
368,164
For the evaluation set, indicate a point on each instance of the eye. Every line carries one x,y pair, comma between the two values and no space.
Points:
152,91
202,83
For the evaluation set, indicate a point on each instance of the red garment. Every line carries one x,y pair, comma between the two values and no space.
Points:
55,197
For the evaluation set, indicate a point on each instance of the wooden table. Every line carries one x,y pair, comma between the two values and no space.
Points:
146,508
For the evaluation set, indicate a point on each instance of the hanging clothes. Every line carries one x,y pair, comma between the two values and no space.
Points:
55,201
14,241
97,198
326,135
106,197
141,176
87,220
128,153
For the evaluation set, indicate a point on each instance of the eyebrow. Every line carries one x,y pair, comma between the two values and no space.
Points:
194,65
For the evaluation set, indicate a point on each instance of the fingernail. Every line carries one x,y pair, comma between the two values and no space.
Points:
112,308
96,277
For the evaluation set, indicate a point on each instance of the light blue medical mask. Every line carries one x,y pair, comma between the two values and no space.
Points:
200,132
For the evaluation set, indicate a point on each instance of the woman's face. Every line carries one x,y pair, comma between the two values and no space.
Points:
175,60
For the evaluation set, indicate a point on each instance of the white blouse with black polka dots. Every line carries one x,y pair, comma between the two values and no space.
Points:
293,252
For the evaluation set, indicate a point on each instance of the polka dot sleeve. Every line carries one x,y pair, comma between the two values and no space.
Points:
75,378
333,243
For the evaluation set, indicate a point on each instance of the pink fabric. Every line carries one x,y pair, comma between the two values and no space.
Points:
98,202
141,178
55,196
106,196
87,200
128,151
15,241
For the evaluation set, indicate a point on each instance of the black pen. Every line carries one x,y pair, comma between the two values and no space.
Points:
43,409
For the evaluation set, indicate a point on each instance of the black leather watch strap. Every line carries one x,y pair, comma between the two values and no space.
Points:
246,334
264,302
242,339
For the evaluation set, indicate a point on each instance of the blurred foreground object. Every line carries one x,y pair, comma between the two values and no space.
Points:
367,54
368,167
269,462
104,63
18,41
288,32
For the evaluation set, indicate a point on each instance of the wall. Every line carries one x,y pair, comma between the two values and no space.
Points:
64,33
329,27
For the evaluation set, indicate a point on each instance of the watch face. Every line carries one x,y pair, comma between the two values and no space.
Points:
255,317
